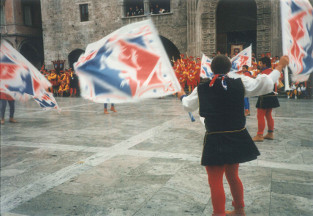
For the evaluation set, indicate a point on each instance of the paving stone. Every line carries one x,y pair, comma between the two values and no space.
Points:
145,160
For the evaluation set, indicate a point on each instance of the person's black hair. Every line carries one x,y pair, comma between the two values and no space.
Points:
220,65
267,61
245,66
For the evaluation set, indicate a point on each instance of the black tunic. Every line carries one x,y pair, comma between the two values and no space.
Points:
74,81
226,140
267,101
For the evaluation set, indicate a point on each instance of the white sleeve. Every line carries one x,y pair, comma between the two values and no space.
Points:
191,102
262,84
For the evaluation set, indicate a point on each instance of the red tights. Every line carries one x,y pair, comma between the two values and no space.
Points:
267,113
215,174
73,90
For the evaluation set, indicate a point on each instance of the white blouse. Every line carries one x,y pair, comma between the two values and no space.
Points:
262,84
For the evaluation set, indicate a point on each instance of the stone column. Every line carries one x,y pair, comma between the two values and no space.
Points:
208,27
121,5
264,27
146,7
276,29
191,27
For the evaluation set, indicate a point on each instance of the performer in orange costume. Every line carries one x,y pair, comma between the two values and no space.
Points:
53,78
63,88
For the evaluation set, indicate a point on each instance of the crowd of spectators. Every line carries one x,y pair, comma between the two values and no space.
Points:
298,91
138,10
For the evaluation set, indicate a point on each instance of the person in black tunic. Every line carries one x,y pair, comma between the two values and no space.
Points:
227,142
73,83
265,104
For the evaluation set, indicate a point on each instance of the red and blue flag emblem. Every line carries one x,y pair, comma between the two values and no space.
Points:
206,71
297,31
19,78
47,101
242,58
126,65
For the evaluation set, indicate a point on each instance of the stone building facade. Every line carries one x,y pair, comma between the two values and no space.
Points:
190,26
203,14
65,35
21,27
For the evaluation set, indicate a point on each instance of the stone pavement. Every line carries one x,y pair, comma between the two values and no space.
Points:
144,160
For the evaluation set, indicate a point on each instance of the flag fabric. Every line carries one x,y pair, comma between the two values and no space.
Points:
297,32
126,65
206,71
242,58
47,101
19,78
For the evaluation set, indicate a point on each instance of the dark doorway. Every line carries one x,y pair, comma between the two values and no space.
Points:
73,57
171,49
236,24
31,53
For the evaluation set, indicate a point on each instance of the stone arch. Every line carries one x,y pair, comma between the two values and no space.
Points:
31,52
207,26
170,48
73,56
9,42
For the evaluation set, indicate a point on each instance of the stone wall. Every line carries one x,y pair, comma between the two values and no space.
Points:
27,39
264,31
268,27
63,32
14,30
208,26
191,25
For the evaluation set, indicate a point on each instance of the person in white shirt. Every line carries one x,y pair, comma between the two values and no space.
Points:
302,91
227,143
292,92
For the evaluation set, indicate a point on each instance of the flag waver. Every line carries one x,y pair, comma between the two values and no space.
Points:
297,31
19,78
242,58
127,65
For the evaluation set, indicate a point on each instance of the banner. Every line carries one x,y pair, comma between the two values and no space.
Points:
47,101
19,78
297,32
242,58
126,65
206,71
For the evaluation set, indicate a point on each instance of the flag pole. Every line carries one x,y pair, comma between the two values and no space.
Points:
287,87
282,18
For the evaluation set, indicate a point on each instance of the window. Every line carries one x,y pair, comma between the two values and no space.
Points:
2,22
160,6
28,19
84,15
134,8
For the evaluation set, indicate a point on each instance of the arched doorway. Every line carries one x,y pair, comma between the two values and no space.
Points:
31,53
236,24
73,56
170,48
